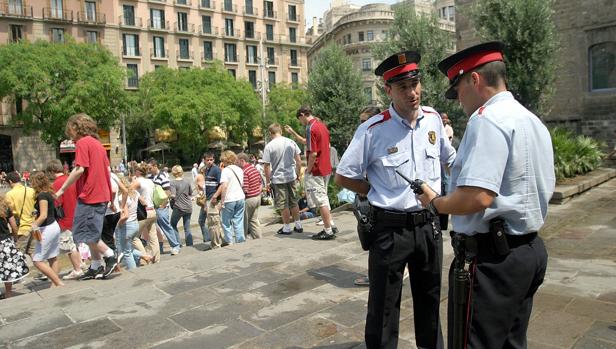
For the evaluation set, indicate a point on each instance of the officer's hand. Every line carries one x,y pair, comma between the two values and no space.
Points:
427,196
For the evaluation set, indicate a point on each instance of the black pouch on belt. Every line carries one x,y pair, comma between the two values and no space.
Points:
363,213
499,238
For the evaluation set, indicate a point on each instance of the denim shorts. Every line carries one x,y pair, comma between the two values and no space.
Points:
88,222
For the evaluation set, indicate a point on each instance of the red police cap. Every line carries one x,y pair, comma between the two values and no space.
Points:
401,66
468,59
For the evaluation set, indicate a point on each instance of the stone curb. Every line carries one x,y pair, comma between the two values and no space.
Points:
564,193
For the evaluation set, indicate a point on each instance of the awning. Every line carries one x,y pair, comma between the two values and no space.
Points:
67,146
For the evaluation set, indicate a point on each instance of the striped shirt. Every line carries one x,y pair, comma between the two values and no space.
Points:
161,179
252,181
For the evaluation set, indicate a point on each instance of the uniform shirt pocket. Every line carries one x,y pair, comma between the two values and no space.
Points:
400,161
432,165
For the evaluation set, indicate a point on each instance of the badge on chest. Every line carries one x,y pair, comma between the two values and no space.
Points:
392,150
432,137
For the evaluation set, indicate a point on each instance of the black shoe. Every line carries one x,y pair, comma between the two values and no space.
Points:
334,229
110,264
282,232
298,230
323,236
92,273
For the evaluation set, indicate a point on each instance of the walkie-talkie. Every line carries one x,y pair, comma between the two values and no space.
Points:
415,184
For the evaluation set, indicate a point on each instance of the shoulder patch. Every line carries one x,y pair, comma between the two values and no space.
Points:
386,116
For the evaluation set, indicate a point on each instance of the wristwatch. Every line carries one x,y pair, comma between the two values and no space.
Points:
431,208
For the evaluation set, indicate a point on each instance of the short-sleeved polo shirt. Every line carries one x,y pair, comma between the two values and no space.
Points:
317,141
94,185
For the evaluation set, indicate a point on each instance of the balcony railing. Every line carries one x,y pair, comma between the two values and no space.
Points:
208,31
230,58
251,11
188,28
162,26
232,34
229,8
292,18
294,63
252,60
134,53
271,61
182,2
91,18
184,56
207,57
57,15
207,5
133,82
135,22
270,14
12,10
159,55
252,35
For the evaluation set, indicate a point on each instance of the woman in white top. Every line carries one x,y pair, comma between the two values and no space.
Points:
128,228
232,199
147,228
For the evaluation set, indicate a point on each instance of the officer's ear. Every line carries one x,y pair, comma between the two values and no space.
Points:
387,88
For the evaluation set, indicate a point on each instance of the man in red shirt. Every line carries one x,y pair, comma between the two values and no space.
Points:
91,172
252,190
68,202
318,170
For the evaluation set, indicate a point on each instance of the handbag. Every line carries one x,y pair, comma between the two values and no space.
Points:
201,200
141,211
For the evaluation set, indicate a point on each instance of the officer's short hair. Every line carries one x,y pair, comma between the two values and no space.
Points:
493,72
274,129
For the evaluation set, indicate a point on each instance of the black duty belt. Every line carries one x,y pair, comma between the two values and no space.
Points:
392,218
485,243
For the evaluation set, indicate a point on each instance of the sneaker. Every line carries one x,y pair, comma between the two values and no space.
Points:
73,275
320,222
323,236
120,257
110,264
92,273
334,229
298,230
175,251
282,232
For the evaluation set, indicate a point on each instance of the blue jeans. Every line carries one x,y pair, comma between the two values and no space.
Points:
232,217
175,218
124,235
203,225
162,221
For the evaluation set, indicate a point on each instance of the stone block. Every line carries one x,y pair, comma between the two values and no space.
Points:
304,333
592,309
215,336
593,343
70,335
558,328
349,313
27,327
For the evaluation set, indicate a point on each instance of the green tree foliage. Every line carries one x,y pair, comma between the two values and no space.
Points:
192,102
59,80
528,31
336,94
283,104
421,33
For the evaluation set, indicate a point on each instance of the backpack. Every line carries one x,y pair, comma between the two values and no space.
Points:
159,195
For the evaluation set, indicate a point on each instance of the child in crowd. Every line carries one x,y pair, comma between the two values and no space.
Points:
45,229
305,212
12,262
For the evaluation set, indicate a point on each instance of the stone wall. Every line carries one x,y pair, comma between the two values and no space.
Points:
580,24
29,151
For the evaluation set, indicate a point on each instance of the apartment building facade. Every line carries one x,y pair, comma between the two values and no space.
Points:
256,40
357,29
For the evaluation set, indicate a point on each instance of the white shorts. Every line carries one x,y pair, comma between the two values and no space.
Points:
316,191
49,246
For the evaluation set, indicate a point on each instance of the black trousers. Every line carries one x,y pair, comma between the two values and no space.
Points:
394,249
502,293
109,225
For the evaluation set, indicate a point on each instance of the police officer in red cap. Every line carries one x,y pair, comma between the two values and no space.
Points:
409,139
501,183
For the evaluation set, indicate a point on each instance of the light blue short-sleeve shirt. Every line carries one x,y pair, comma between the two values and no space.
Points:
506,149
387,142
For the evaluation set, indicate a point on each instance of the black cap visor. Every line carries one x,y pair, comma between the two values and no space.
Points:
413,74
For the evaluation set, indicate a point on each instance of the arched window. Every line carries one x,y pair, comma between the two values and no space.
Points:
603,66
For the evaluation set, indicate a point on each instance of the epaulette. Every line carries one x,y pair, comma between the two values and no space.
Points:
386,116
429,110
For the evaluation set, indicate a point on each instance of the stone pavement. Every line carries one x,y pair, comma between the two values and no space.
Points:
292,292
